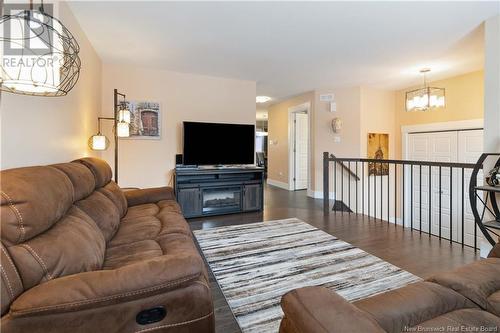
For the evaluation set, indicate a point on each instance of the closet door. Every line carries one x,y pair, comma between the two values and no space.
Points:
434,147
470,147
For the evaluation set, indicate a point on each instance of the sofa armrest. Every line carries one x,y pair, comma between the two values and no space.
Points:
318,310
149,195
90,290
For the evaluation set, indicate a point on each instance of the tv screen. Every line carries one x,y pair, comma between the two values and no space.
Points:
213,143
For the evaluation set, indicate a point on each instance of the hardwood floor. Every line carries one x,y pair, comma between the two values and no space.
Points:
417,253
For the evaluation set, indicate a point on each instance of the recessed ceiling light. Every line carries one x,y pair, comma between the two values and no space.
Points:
262,99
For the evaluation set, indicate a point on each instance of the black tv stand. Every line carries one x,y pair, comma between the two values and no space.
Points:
208,191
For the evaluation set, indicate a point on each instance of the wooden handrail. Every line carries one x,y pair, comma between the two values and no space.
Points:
345,167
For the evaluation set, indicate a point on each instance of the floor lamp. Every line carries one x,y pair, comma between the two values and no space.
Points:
121,128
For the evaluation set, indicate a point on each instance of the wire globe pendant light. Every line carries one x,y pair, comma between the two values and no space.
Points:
40,55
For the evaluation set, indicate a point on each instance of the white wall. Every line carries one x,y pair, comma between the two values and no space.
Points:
182,97
43,130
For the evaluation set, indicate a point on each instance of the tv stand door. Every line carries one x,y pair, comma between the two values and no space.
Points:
252,197
190,201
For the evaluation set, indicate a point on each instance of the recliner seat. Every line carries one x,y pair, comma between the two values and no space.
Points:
79,254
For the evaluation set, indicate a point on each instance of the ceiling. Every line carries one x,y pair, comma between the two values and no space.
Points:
292,47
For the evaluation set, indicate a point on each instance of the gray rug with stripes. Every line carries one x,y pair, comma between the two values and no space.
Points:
255,264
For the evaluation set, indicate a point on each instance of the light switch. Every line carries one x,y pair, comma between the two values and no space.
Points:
336,139
333,107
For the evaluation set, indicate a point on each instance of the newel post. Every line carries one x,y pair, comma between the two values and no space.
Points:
326,184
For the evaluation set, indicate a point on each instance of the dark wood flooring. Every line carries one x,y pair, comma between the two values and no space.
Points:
417,253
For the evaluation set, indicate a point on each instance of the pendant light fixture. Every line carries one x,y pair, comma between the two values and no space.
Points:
425,98
40,55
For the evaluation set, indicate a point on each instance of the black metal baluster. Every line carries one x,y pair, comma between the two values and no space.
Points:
381,193
336,193
411,197
430,201
463,204
395,194
357,177
388,191
440,206
403,167
342,186
368,196
375,192
420,197
349,187
451,204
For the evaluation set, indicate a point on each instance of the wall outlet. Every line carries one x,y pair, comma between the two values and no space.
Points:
336,139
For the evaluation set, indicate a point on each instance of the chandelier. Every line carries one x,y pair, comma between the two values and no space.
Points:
40,55
425,98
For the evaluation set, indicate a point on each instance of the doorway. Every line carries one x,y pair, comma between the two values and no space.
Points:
299,147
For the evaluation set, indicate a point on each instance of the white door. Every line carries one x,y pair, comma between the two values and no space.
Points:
301,158
434,147
446,185
470,147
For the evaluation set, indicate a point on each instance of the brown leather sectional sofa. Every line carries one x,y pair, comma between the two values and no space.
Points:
463,300
80,255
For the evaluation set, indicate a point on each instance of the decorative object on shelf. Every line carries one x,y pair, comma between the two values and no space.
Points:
425,98
40,55
120,129
143,117
336,125
493,178
378,148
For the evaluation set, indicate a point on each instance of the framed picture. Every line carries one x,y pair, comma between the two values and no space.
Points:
145,119
378,148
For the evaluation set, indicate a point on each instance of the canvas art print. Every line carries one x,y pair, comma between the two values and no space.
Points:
144,119
378,148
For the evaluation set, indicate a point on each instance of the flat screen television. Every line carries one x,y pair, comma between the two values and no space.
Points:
218,144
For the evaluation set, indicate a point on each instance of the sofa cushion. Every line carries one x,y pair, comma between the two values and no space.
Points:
114,193
127,254
464,320
99,168
405,307
149,222
476,281
103,211
33,199
80,176
74,244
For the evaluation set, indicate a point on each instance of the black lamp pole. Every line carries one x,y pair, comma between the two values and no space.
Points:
115,95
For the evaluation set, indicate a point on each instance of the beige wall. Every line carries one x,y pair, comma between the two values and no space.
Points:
464,100
348,109
182,97
43,130
378,115
278,136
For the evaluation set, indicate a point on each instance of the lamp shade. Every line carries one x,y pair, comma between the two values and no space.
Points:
124,116
51,68
122,129
98,142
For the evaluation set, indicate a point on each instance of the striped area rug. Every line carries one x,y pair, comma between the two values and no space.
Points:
255,264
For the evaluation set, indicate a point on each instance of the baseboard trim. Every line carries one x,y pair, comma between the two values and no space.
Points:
277,183
319,194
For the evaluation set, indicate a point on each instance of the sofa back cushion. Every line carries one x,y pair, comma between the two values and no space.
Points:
55,221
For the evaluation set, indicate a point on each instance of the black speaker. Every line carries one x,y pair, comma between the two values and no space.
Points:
178,159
